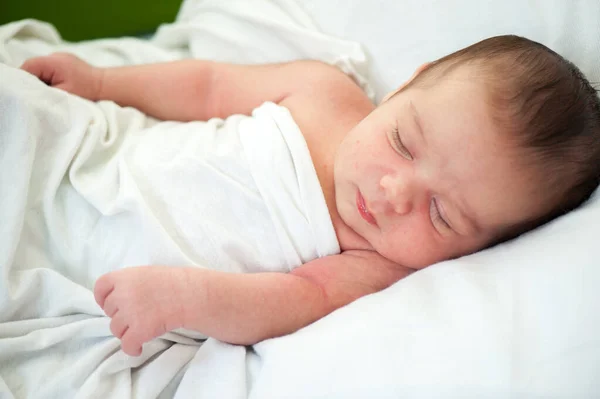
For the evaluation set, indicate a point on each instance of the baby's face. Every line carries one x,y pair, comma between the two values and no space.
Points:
427,176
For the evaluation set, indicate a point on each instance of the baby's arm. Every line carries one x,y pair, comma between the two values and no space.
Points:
146,302
189,89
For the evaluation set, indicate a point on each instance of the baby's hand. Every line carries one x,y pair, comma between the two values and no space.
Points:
143,302
67,72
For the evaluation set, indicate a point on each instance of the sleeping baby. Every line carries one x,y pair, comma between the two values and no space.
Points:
476,148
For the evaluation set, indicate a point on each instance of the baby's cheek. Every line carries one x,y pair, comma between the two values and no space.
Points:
411,245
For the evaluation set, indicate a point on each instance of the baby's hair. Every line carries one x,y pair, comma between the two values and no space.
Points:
551,111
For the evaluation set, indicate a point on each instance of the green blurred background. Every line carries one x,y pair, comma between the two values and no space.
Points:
90,19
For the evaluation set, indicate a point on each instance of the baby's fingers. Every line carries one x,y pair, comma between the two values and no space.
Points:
40,67
103,288
119,325
131,343
111,305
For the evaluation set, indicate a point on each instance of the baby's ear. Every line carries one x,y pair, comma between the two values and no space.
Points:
399,89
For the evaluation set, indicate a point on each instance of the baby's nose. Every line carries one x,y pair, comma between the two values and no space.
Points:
399,193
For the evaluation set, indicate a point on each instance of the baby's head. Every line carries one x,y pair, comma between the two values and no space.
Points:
547,110
488,142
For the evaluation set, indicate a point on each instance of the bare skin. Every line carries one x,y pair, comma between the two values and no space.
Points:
398,204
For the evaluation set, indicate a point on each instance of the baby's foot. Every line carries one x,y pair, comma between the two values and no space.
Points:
143,303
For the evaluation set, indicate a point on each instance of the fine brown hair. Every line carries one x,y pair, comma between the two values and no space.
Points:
551,111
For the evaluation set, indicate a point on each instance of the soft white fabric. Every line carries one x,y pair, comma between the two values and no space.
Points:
89,188
398,36
285,178
93,188
519,320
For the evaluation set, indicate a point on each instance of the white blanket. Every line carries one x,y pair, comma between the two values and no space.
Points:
93,188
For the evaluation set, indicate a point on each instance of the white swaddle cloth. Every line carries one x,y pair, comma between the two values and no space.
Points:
238,195
284,174
89,188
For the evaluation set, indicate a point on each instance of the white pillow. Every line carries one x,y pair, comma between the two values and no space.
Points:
400,35
518,320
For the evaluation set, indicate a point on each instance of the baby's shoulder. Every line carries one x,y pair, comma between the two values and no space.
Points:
328,94
329,106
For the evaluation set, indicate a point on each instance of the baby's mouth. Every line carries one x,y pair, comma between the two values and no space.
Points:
363,210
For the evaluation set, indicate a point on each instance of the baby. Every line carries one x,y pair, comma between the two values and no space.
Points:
476,148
